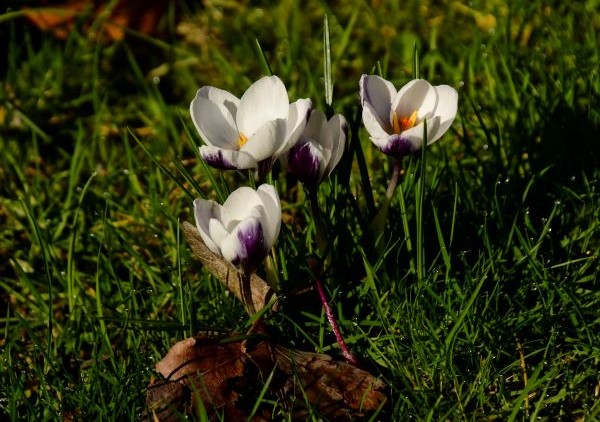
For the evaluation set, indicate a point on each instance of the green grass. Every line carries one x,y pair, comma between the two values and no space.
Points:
487,271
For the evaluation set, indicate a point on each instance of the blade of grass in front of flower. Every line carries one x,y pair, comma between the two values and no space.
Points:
328,79
416,65
419,201
262,58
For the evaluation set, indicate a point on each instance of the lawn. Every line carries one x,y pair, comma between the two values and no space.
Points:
473,293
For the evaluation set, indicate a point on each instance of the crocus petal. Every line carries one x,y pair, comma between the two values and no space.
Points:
378,93
446,109
417,95
399,145
245,247
265,100
338,127
433,130
272,209
298,116
316,128
204,211
306,162
375,126
216,230
267,140
220,96
226,159
240,204
214,121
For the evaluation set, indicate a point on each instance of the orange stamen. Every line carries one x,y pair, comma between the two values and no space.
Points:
400,124
242,139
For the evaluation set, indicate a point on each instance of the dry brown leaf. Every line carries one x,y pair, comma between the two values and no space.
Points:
225,375
253,297
59,17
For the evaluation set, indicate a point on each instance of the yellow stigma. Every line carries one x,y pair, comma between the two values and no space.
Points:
400,124
242,140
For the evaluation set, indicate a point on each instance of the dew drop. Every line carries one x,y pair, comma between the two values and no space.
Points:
156,80
461,84
125,171
485,147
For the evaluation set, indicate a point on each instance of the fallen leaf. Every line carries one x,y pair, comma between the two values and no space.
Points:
59,17
259,294
223,376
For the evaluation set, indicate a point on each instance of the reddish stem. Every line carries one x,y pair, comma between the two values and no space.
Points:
334,326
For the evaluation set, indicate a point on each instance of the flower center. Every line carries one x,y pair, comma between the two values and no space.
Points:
242,139
400,124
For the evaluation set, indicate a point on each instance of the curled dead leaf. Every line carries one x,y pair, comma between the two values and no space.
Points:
253,297
224,377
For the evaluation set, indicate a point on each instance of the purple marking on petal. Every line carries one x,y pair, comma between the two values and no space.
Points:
217,160
253,249
303,164
397,146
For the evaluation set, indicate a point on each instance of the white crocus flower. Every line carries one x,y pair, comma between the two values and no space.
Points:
242,132
244,228
395,119
319,149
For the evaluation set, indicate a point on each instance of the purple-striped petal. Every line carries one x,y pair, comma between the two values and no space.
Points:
305,162
226,159
245,247
399,146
